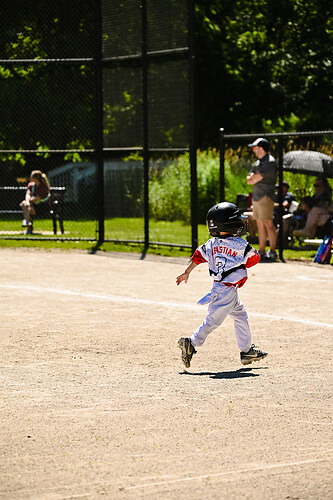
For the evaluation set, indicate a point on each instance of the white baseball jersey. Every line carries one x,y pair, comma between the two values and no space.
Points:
228,259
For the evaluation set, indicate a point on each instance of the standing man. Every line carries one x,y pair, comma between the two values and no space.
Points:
263,178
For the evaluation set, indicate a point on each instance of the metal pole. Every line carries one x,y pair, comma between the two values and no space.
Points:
99,120
280,200
222,158
145,122
193,148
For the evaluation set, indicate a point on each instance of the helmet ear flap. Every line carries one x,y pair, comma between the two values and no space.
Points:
243,230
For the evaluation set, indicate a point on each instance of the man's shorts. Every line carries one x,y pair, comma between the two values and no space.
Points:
263,209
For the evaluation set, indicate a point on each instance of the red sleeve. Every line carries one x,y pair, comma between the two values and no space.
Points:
197,257
252,260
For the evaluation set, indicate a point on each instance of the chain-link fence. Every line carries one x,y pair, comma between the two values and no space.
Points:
301,159
98,96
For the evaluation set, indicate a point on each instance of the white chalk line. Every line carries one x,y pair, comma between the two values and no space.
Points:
226,473
307,278
191,478
171,305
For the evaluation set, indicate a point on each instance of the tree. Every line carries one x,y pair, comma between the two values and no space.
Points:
263,65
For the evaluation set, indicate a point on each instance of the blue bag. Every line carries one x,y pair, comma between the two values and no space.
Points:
323,255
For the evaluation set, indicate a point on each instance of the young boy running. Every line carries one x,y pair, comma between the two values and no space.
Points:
228,257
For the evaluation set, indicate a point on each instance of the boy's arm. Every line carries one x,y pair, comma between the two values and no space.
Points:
251,257
186,273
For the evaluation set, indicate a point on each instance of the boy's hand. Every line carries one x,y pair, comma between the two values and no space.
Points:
186,273
182,277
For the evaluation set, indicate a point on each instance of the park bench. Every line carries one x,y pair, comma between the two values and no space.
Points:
11,196
322,232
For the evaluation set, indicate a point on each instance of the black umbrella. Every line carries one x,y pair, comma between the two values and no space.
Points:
308,162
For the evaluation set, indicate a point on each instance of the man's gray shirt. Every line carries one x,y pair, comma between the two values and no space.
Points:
266,167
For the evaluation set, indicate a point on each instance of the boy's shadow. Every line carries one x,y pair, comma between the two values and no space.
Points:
241,373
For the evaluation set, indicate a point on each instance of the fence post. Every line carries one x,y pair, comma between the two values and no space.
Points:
280,199
99,120
222,157
193,147
145,121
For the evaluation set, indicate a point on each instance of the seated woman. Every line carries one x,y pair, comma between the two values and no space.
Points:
37,195
313,215
317,216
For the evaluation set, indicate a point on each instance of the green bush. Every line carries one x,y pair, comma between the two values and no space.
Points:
170,189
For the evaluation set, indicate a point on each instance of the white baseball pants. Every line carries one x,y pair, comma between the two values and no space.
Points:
224,300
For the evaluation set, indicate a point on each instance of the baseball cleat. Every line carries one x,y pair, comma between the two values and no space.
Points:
252,355
187,350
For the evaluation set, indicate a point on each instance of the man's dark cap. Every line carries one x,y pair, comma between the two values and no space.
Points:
264,143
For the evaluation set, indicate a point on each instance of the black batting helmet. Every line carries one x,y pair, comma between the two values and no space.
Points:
225,217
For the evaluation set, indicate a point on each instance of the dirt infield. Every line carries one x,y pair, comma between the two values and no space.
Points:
95,402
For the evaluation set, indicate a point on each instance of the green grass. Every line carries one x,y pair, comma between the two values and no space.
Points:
115,229
83,228
176,233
